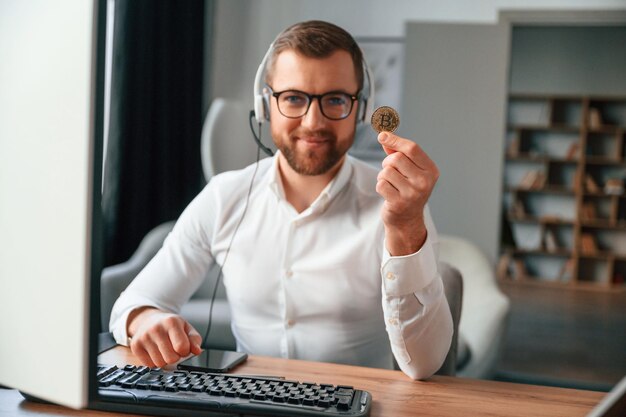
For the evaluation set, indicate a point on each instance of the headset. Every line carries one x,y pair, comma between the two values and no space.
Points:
262,97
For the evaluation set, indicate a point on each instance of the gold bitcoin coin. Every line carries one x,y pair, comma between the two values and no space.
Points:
385,119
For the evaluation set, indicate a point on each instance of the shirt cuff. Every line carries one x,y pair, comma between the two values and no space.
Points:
408,274
119,328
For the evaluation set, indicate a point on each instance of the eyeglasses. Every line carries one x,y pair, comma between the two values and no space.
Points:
335,105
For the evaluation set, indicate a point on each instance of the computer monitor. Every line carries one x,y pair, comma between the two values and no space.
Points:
51,107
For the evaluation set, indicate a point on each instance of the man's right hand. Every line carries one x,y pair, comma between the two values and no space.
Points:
159,338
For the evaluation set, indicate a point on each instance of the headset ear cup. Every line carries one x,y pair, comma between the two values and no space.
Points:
266,104
361,110
259,108
367,100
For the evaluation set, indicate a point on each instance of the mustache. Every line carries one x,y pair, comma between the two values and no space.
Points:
318,134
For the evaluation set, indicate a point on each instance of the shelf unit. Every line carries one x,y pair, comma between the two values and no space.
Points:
564,202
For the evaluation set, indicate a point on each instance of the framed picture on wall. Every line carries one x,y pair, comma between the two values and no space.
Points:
385,57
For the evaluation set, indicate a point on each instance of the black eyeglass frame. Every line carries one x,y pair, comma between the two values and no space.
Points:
319,97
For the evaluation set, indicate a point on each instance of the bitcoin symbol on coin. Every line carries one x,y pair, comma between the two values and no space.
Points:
385,119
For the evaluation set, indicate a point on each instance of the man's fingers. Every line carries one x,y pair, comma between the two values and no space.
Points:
179,339
195,340
387,150
392,143
155,354
393,177
401,163
142,354
386,190
164,338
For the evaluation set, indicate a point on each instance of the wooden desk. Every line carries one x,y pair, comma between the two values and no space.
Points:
394,394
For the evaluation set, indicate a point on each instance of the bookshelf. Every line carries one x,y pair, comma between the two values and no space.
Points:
564,203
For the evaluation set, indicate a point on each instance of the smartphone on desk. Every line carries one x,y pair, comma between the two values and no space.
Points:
212,360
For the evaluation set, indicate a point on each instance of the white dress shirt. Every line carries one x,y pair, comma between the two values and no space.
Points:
303,285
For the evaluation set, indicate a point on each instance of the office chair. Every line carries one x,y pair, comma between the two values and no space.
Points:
227,142
485,308
453,287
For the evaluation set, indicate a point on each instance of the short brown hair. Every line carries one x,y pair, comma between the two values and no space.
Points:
317,39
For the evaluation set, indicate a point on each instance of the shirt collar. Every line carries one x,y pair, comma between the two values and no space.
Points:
332,189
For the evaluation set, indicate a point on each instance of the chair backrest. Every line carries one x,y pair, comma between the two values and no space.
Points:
485,307
453,287
227,141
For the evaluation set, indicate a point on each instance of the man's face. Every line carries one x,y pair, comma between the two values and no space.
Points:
313,144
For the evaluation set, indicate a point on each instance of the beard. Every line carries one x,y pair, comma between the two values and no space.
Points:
316,161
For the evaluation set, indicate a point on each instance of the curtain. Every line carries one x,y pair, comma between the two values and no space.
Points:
152,168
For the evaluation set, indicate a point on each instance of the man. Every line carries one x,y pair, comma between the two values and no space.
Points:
323,237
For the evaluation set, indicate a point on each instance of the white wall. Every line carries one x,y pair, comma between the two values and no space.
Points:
244,28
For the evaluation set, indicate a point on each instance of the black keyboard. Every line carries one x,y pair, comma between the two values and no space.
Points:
203,393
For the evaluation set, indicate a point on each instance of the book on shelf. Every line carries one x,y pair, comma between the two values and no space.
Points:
550,218
517,210
588,211
614,186
506,261
591,185
595,118
502,269
572,151
519,269
540,182
588,244
549,241
533,180
567,270
577,180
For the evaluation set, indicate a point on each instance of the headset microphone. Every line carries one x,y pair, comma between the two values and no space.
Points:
257,138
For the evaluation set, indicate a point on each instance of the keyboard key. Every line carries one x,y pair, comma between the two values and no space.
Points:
105,370
171,387
230,392
215,391
142,370
259,395
324,403
244,394
295,399
343,404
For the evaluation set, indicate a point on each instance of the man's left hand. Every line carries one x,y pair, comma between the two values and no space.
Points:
405,182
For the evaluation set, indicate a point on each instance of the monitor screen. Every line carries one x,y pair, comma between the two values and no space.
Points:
51,84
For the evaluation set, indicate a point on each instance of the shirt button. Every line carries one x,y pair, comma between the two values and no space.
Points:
290,323
392,321
390,276
289,273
